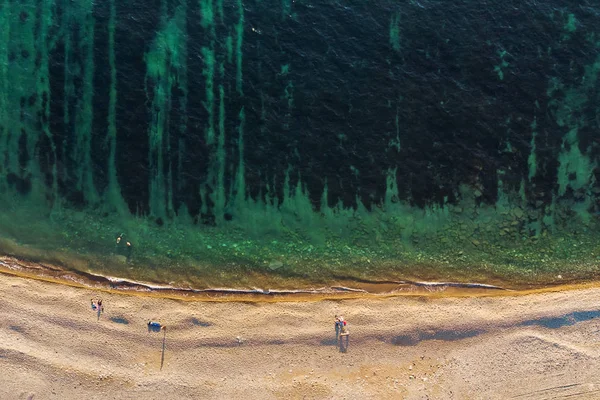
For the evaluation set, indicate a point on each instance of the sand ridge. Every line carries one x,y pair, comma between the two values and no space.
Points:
54,346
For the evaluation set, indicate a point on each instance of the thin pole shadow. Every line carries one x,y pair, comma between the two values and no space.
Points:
162,358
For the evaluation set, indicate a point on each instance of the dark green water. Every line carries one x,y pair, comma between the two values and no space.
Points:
295,142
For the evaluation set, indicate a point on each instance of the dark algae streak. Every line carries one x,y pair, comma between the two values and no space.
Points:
233,142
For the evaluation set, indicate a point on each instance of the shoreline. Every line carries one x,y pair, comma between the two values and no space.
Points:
363,289
410,347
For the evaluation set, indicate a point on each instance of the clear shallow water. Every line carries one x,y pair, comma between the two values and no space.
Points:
225,142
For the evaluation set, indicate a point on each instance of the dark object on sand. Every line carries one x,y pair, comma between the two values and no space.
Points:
155,326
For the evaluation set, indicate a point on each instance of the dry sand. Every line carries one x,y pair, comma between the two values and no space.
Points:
52,345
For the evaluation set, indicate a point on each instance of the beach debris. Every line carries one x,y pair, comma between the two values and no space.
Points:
156,326
240,340
103,377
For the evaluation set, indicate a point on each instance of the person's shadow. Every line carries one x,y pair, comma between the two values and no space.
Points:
344,340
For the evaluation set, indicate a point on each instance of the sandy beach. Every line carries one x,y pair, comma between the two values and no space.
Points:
535,346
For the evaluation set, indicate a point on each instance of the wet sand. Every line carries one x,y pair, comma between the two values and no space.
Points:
52,345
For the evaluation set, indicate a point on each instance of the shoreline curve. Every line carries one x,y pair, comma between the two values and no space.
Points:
385,288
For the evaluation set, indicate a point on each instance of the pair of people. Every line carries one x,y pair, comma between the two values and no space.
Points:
97,305
128,246
340,326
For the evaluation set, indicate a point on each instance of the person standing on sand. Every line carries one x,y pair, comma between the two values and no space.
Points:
129,251
97,307
344,335
337,328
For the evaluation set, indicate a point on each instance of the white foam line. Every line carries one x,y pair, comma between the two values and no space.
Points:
347,289
114,279
458,284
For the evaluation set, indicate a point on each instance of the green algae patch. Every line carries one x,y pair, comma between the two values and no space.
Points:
182,254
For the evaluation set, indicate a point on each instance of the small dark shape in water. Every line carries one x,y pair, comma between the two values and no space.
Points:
16,328
119,320
565,320
197,322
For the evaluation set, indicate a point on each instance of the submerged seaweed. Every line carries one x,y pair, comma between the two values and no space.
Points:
218,142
